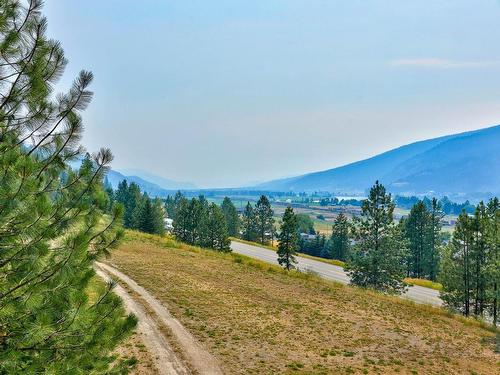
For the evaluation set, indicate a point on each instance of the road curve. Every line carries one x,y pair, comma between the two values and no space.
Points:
331,272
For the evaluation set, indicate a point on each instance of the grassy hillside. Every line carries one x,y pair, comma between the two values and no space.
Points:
257,319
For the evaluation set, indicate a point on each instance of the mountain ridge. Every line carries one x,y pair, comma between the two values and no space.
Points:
394,167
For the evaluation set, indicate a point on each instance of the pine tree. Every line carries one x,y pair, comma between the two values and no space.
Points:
264,221
493,258
378,257
339,240
133,205
232,218
158,219
52,226
416,228
182,225
215,229
111,194
248,224
433,255
457,268
288,240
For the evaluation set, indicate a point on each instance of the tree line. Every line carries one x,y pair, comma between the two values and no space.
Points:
140,211
200,223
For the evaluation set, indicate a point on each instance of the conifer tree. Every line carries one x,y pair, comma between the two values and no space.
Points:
456,275
215,229
433,256
264,221
493,258
232,218
133,205
248,224
339,240
52,226
416,228
378,257
288,240
182,225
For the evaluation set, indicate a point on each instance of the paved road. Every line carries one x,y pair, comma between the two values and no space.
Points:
329,271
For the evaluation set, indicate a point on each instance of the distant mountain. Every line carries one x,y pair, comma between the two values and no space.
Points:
457,165
162,182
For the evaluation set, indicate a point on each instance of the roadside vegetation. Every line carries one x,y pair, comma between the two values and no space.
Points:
258,318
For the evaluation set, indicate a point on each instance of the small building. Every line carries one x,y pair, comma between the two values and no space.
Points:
169,224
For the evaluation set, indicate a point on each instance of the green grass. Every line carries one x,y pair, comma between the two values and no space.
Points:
425,283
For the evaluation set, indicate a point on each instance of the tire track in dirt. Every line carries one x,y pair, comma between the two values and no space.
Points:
199,359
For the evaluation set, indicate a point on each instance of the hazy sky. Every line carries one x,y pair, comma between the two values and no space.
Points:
228,92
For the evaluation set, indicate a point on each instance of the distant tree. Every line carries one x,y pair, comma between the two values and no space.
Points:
378,257
339,240
433,254
149,215
416,229
493,258
110,193
470,270
288,240
182,223
215,229
199,223
231,216
457,268
248,224
52,217
159,213
264,221
305,224
132,205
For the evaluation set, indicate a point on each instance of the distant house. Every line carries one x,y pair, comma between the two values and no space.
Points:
308,237
169,224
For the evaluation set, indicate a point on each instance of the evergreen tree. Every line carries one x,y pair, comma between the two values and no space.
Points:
456,275
264,221
182,227
288,240
215,229
158,220
416,228
231,216
52,226
493,258
111,194
305,223
378,257
248,224
339,241
433,254
133,205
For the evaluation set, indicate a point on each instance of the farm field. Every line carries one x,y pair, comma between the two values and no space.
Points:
257,319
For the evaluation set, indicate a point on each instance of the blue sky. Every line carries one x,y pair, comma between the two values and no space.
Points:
229,92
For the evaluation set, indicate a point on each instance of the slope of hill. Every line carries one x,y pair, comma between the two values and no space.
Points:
457,164
162,182
152,189
257,318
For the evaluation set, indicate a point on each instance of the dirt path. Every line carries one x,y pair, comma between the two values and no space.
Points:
199,359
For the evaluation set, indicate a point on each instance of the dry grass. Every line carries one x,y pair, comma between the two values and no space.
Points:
259,320
132,351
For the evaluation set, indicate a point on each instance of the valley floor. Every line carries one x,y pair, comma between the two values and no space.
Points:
256,319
